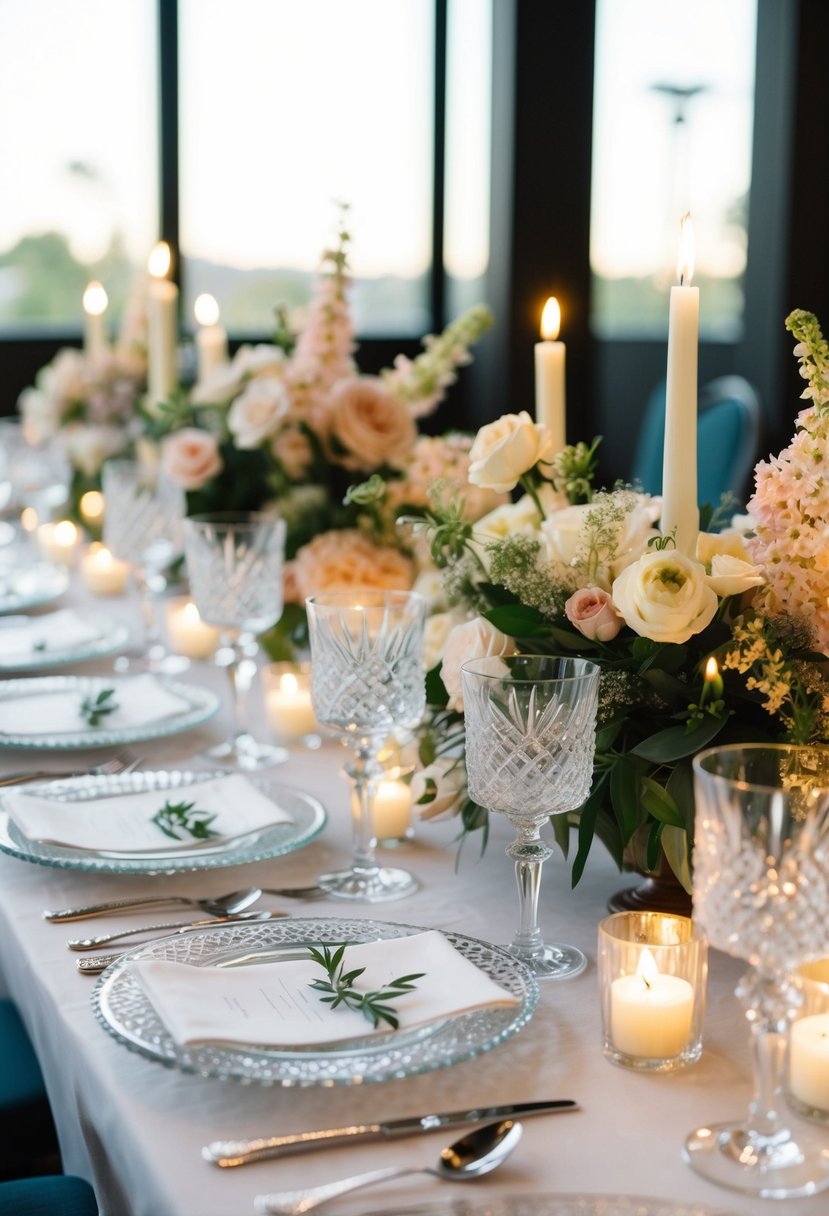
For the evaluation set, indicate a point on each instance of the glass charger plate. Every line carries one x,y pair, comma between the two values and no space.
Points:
555,1205
38,584
308,815
201,705
110,637
126,1012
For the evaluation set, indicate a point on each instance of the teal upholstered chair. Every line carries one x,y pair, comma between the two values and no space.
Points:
728,435
61,1195
28,1143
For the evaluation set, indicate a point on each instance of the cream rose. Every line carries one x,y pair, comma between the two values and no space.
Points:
475,639
257,412
731,576
435,635
369,427
730,542
665,596
506,449
190,457
89,446
592,612
568,541
440,788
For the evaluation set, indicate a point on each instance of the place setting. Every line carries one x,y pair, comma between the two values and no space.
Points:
56,639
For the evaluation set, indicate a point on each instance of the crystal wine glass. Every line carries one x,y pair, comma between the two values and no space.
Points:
530,738
761,890
235,564
367,678
143,516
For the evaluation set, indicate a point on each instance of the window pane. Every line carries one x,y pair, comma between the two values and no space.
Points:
78,142
673,117
468,132
286,107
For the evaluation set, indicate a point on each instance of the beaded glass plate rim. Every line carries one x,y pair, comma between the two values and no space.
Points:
112,636
554,1204
125,1011
269,842
48,583
202,705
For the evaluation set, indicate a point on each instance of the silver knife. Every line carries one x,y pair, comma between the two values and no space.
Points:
227,1153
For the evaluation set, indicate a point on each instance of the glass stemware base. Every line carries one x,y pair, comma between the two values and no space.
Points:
546,960
374,884
774,1166
243,751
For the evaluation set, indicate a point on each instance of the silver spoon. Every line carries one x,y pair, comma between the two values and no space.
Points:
219,905
474,1154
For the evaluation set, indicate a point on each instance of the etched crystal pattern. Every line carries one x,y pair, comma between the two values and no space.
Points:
529,756
367,682
124,1010
143,524
761,876
237,582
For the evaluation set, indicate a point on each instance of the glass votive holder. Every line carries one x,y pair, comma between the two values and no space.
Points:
286,688
807,1085
652,970
187,633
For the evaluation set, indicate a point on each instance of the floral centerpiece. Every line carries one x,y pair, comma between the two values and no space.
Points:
294,424
726,644
89,400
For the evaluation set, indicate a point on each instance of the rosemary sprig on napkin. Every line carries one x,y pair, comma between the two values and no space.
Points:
177,818
339,987
94,709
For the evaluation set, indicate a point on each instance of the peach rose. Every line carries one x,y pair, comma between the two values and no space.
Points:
369,427
190,457
592,612
292,449
475,639
335,561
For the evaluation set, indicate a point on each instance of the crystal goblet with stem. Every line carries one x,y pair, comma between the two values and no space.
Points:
530,739
235,566
761,891
143,516
367,679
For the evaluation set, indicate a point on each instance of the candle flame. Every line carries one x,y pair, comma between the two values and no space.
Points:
95,299
647,968
160,260
712,670
685,261
103,558
550,320
65,532
191,613
206,309
289,683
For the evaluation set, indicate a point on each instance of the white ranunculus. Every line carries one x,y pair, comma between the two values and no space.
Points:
440,788
732,576
257,412
506,449
665,596
475,639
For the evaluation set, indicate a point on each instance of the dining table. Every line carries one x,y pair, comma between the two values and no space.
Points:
135,1128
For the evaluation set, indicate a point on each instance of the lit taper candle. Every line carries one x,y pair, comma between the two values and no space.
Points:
680,510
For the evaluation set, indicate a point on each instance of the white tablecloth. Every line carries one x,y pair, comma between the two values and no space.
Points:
135,1129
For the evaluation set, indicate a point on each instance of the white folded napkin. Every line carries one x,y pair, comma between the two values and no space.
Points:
140,700
272,1005
124,823
54,631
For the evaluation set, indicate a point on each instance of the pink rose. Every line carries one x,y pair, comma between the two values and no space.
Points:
190,457
592,612
369,427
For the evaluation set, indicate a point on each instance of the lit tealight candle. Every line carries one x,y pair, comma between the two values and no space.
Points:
102,573
288,702
651,1014
162,327
94,307
809,1061
680,511
550,397
91,507
187,633
392,810
211,339
58,542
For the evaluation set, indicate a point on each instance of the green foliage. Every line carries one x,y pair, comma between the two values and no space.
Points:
178,820
338,988
95,709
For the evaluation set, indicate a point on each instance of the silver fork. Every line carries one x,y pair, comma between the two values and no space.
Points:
123,763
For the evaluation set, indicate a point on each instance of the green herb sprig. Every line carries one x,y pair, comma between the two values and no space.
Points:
95,709
339,987
177,818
